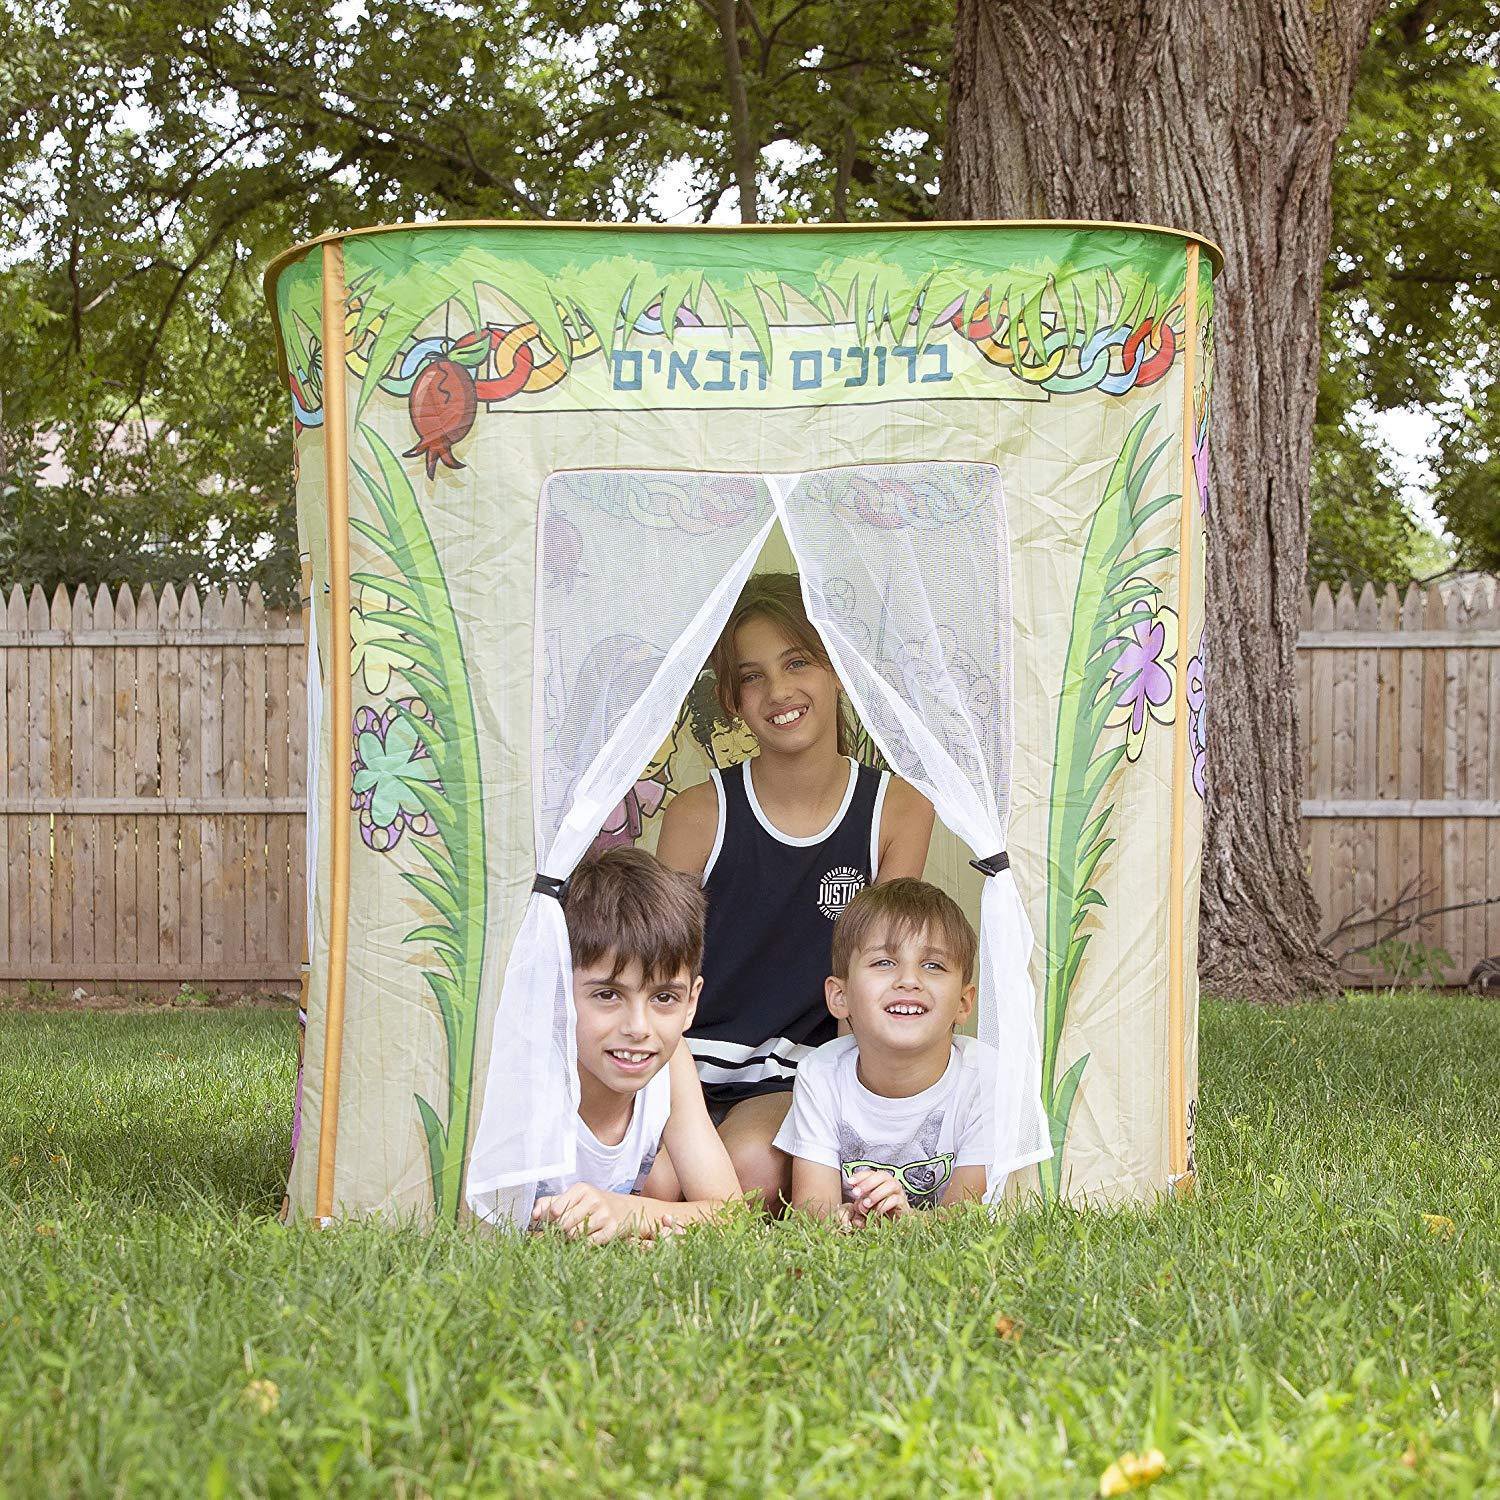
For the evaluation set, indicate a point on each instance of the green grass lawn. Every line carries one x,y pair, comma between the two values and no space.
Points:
1295,1329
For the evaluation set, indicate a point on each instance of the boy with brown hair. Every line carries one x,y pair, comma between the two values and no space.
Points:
636,933
897,1115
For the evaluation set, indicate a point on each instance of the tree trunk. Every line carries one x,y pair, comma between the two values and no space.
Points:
1220,116
746,157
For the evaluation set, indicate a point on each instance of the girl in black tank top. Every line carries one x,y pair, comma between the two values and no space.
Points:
781,843
772,901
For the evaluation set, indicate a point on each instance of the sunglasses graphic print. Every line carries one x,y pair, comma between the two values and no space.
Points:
921,1181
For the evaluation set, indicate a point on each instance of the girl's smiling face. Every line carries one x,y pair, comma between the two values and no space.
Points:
788,700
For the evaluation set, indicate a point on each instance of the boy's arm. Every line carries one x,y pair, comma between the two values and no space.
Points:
966,1185
809,1135
970,1179
817,1190
699,1159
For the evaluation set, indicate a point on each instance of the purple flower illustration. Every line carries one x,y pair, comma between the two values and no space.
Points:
1143,677
1142,680
390,764
1197,734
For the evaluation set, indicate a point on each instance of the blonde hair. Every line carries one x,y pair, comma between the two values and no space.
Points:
902,909
776,597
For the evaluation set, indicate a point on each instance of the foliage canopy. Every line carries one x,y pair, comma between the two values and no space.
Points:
155,156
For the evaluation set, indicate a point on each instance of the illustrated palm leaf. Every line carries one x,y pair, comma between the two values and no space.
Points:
1110,600
427,642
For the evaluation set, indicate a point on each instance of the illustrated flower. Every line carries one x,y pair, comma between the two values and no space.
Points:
1143,676
1132,1471
390,765
372,658
1197,733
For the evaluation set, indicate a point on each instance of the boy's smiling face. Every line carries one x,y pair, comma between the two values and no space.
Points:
902,995
628,1026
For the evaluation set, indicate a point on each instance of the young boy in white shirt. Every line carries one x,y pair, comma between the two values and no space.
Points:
897,1115
636,933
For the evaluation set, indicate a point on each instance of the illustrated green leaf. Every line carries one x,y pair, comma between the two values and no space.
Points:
1060,1106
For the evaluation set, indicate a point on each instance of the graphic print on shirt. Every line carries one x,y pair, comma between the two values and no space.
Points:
838,888
921,1173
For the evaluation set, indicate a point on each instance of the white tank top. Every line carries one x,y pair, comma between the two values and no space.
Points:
622,1168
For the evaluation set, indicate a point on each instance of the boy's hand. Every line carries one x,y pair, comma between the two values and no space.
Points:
584,1212
876,1195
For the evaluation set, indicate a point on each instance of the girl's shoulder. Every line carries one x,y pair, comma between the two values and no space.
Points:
905,829
902,797
693,802
689,825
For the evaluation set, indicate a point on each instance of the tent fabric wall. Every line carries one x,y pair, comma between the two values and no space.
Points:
480,359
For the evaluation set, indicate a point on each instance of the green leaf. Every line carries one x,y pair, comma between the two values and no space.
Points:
392,588
437,1156
435,893
439,937
1060,1106
471,356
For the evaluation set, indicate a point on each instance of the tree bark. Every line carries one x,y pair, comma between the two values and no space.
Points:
746,157
1219,116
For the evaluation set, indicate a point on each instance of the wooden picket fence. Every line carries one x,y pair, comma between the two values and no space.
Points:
1400,708
151,815
151,823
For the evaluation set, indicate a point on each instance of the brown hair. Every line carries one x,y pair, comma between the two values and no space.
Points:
902,909
626,904
776,597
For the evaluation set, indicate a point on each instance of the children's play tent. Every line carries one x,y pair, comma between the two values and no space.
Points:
536,463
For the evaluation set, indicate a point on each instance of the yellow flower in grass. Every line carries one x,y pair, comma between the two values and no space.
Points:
1440,1224
261,1396
1132,1471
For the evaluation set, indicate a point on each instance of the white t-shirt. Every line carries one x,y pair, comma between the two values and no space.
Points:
837,1122
625,1167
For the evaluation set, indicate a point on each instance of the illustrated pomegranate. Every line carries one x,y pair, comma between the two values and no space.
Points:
442,412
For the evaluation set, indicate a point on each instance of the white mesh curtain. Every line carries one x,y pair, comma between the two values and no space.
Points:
636,574
906,575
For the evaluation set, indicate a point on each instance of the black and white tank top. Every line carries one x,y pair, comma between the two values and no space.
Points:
772,900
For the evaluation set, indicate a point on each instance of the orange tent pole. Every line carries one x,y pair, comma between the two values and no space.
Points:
336,468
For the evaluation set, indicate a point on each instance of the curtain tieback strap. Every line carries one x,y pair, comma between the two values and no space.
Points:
550,885
993,865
